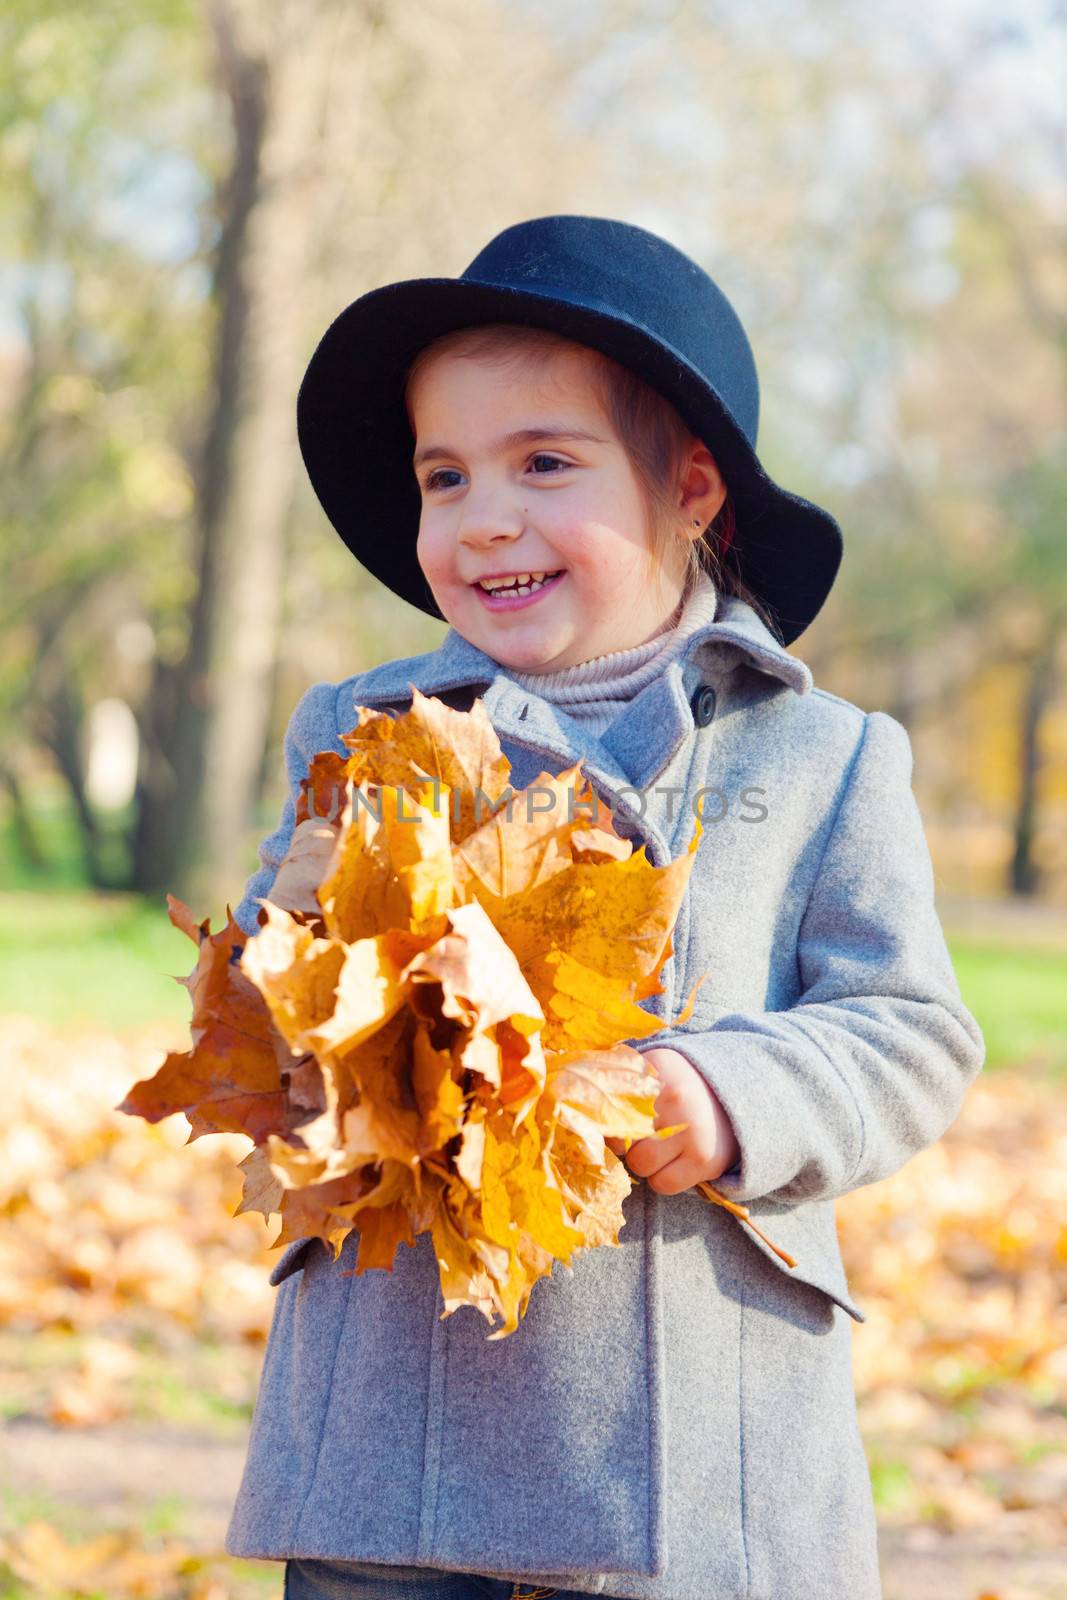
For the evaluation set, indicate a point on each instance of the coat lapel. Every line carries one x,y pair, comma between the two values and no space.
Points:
648,731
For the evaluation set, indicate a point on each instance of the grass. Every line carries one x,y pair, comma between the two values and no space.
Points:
72,955
59,841
1019,999
891,1480
201,1386
188,1394
69,957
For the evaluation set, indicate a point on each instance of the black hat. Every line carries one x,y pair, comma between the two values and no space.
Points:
611,285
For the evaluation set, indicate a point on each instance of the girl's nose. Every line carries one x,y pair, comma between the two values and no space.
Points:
487,519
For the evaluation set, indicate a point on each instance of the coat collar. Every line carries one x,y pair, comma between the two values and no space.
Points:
637,746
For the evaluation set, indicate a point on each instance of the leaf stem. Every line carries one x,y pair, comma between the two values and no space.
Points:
709,1192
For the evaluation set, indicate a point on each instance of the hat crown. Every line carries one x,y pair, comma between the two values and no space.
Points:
625,270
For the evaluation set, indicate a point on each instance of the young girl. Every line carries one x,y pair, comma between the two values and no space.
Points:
555,453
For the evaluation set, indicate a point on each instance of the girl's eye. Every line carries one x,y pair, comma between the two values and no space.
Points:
434,479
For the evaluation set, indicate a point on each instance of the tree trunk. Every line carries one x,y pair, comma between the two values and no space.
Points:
22,822
202,777
59,725
166,843
266,459
1025,875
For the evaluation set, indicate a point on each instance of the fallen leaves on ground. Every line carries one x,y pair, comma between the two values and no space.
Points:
960,1261
117,1240
118,1565
120,1252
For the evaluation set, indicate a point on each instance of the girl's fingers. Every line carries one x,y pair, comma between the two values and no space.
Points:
679,1174
652,1155
664,1161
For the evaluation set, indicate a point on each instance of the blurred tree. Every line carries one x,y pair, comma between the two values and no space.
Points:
211,708
1035,505
196,193
92,487
1033,495
294,157
345,119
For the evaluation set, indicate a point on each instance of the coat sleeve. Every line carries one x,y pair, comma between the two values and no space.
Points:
312,727
872,1062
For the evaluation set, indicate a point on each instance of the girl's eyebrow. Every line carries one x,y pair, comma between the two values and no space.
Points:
551,430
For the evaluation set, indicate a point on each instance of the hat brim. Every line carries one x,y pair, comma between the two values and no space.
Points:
357,444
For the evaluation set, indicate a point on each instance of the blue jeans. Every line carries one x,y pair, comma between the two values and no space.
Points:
368,1580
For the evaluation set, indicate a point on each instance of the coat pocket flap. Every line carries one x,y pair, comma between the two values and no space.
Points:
807,1231
292,1258
815,1251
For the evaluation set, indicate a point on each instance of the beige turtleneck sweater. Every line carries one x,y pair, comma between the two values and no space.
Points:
597,689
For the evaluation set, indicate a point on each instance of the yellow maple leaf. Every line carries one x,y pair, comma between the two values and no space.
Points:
447,978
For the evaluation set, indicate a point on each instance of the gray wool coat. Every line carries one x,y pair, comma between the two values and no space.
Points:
675,1418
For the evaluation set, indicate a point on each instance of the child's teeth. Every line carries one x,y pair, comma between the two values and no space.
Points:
523,583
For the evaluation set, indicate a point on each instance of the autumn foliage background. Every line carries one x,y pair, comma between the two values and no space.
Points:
195,188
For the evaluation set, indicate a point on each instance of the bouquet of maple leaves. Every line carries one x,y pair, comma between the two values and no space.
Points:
425,1032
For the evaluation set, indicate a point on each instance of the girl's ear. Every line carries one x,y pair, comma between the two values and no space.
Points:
702,488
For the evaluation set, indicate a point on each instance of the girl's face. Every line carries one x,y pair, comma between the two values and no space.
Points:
520,474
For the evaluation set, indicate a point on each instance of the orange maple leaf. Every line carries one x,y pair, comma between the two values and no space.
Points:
430,1031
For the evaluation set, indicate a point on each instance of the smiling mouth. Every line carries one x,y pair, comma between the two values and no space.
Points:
521,583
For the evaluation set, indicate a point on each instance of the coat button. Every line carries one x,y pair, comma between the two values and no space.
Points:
703,704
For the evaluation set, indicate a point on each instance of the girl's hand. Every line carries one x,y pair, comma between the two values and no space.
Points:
703,1150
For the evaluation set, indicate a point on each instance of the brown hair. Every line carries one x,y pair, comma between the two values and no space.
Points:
652,433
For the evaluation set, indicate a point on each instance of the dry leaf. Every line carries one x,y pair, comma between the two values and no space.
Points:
430,1031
